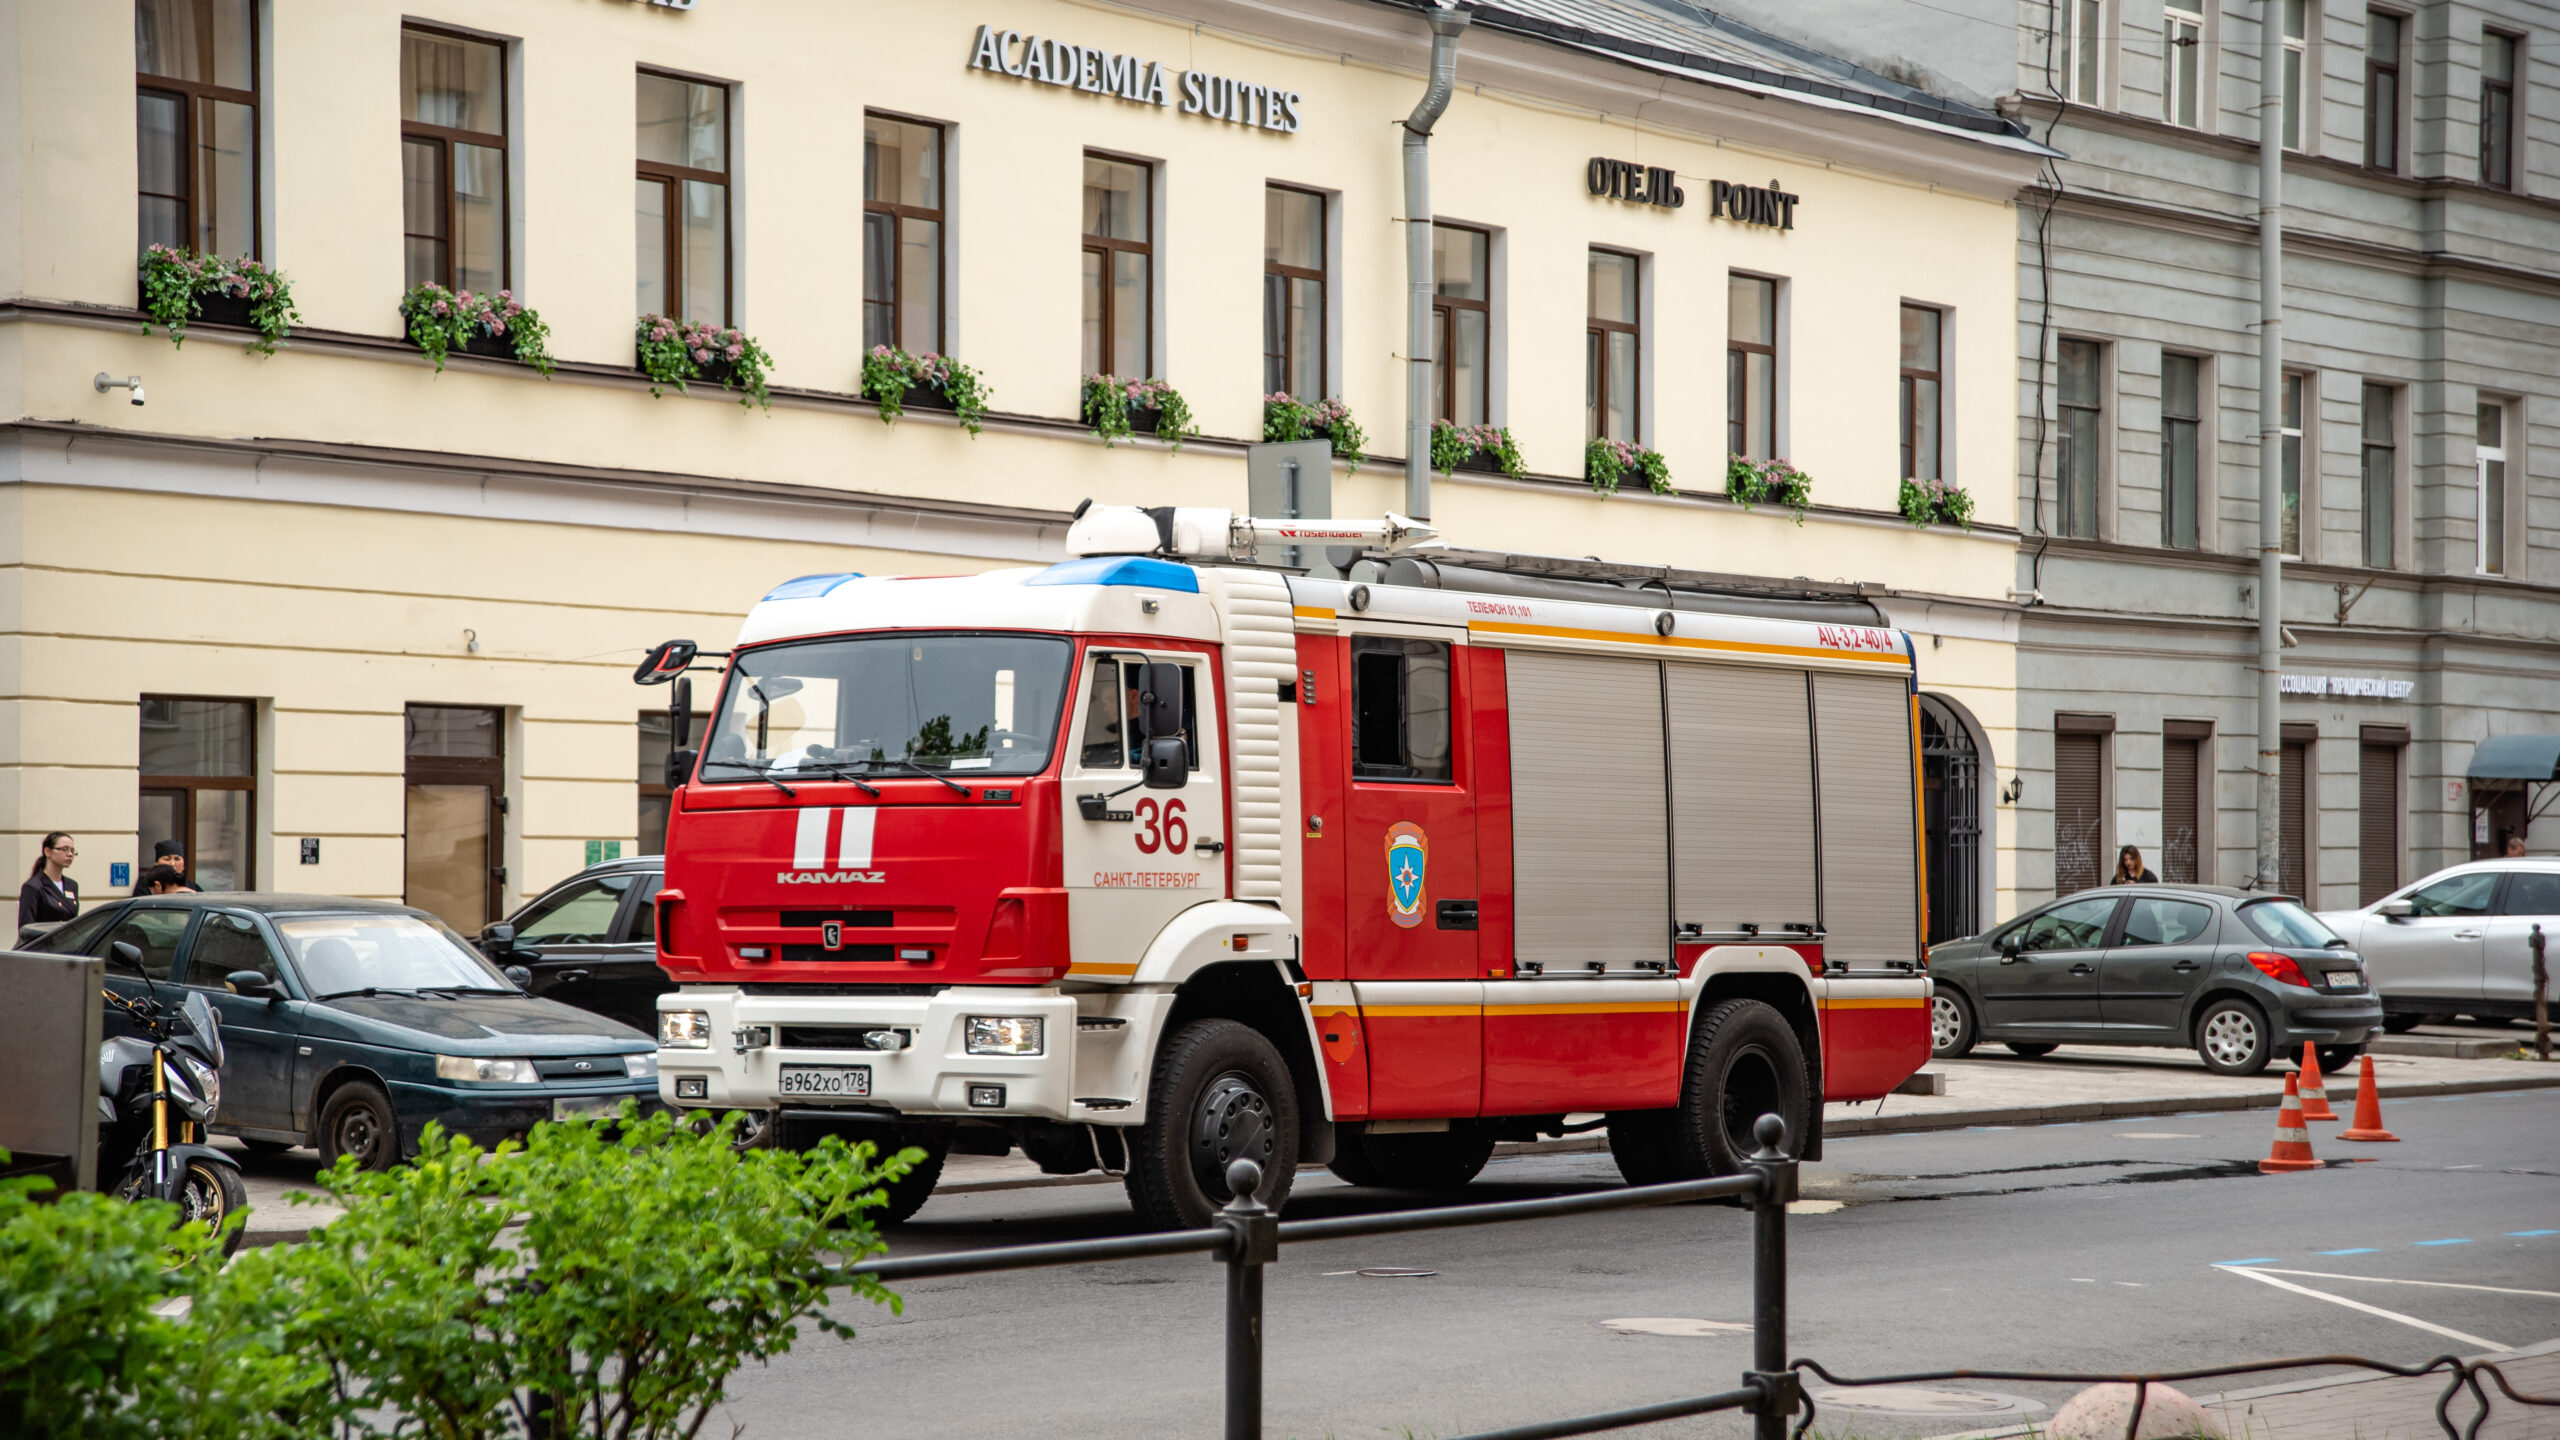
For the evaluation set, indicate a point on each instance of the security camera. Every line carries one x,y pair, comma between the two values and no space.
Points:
106,382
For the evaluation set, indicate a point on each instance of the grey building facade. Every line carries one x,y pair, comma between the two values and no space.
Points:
2421,347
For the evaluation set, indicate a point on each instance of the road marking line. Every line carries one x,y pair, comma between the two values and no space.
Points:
2437,1284
2363,1250
2409,1320
2439,1242
2261,1260
2527,1234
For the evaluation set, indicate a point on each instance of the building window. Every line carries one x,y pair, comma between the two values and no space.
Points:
2293,822
2292,476
1751,367
453,863
200,788
1119,267
2183,100
453,160
196,114
1612,349
1923,336
2181,447
2297,42
683,199
2083,435
2381,471
2498,109
2186,769
2491,450
2382,90
902,182
1292,293
657,733
1461,316
2079,801
2083,41
2378,812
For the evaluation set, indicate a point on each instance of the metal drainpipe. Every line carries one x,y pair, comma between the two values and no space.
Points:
1446,21
2271,444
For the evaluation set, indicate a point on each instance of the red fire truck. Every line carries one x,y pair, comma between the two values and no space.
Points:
1159,857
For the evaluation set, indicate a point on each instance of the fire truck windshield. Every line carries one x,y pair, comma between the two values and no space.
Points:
886,703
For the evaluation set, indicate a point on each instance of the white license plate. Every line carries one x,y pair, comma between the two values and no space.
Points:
567,1107
826,1082
2344,979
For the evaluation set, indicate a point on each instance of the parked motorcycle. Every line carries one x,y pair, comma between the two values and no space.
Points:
173,1065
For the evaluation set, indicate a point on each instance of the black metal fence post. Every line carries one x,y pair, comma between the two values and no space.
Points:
1253,1241
1777,1384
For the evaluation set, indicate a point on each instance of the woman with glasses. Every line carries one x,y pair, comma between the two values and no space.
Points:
50,895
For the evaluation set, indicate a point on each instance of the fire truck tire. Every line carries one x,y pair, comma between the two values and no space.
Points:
1744,1063
908,1193
1441,1161
1221,1093
1640,1141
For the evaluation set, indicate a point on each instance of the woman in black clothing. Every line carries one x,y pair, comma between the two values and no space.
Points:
2129,869
49,894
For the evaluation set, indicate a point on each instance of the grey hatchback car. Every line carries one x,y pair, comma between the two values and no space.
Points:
2242,976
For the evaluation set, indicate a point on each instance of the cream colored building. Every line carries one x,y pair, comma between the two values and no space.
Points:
336,534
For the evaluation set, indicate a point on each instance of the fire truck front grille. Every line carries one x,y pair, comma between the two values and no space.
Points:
829,1037
820,954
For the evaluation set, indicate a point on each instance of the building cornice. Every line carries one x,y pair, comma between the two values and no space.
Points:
2186,220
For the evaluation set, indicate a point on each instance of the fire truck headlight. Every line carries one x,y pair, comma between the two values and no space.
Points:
684,1029
1006,1035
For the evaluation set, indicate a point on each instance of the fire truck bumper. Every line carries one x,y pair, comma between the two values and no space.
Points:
728,1049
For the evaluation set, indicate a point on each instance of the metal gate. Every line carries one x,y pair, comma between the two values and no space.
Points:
1951,786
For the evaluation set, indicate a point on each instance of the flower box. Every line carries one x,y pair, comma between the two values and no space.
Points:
929,395
490,347
1480,461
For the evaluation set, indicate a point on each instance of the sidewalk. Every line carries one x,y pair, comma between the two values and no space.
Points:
2074,1083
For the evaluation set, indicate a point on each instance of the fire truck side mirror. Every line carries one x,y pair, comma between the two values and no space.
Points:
680,752
1168,762
1160,701
665,661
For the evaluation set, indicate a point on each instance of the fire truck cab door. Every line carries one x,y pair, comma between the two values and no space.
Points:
1410,888
1133,867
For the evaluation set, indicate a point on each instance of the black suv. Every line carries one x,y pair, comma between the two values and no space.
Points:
591,941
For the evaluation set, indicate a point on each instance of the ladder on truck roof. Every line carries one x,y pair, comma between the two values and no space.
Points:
1607,582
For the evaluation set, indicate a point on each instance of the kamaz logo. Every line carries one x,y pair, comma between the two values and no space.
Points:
830,877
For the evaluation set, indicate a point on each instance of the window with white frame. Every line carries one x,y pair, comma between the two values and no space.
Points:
2491,452
2297,44
2381,473
2498,109
2185,78
2382,98
2083,35
2295,384
2183,392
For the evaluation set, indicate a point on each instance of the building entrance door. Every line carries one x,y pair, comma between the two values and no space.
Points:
1951,797
455,826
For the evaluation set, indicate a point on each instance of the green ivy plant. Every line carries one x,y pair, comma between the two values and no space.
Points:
605,1280
440,321
1109,402
674,352
1749,482
175,282
1925,502
1452,445
1606,462
888,373
1285,417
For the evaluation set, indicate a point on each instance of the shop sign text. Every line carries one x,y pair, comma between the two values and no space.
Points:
1752,204
1641,184
2365,686
1127,77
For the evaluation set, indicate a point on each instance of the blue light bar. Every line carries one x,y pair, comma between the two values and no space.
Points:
1120,570
809,587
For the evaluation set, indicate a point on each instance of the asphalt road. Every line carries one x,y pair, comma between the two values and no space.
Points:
2100,1246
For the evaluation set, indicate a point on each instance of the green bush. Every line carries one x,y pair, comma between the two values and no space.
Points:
650,1261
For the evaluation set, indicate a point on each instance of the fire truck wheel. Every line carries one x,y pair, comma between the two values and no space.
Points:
1640,1141
1744,1063
1221,1093
908,1193
1441,1161
1951,1027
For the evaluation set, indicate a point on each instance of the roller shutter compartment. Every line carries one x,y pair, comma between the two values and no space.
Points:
1592,860
1870,868
1741,796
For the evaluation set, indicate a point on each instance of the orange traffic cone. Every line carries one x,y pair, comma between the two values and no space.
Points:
2292,1150
2315,1096
2368,1124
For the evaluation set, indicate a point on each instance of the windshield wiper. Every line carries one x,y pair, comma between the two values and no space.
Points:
468,990
840,773
367,990
925,771
758,771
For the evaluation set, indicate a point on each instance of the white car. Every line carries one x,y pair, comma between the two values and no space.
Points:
2458,942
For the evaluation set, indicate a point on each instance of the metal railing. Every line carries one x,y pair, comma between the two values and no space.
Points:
1247,1236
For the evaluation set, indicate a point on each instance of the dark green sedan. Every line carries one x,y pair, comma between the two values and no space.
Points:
349,1024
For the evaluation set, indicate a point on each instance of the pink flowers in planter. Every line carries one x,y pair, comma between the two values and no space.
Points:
673,352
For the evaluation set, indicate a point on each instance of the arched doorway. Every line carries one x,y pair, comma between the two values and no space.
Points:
1951,766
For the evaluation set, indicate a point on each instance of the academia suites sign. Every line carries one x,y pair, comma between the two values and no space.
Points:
1127,77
